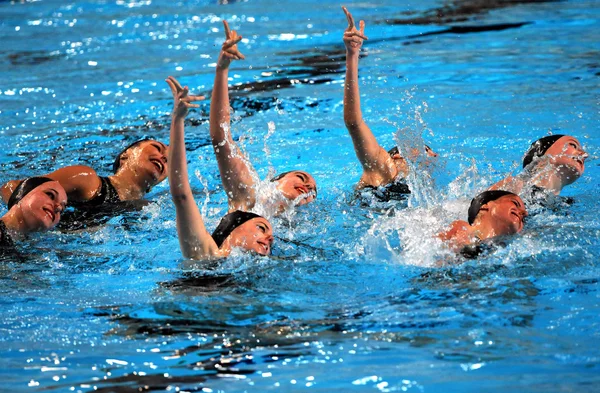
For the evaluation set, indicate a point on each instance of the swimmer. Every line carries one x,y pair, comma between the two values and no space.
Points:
138,168
491,214
236,171
551,163
381,168
35,205
237,229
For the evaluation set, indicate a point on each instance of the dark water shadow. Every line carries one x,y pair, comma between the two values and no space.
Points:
455,11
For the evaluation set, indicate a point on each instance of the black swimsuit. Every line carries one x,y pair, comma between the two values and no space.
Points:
7,246
107,195
94,211
397,190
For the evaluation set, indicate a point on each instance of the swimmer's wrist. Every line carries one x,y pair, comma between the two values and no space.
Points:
178,117
352,51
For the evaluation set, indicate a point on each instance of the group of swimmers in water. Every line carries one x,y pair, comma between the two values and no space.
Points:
37,203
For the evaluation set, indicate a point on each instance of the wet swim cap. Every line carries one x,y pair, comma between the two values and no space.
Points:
229,223
482,199
280,176
539,148
117,162
24,188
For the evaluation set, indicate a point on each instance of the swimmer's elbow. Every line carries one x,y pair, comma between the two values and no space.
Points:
352,122
179,198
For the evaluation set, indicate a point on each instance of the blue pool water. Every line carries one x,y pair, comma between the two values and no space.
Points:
352,299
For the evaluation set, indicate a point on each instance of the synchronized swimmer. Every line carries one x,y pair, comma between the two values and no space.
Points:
295,187
37,203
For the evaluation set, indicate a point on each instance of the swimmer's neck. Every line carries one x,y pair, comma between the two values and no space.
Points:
546,177
15,224
482,230
128,185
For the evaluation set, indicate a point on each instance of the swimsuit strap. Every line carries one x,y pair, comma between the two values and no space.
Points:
107,194
397,190
110,192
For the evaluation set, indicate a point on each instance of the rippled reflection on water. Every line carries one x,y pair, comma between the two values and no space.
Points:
352,297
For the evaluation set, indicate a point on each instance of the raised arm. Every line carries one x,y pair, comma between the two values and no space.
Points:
233,166
377,165
80,182
194,240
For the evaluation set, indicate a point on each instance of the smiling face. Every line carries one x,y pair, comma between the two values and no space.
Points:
253,235
298,183
148,160
505,215
41,207
567,155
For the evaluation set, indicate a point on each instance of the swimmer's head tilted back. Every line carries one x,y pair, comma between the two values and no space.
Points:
294,184
539,148
258,237
142,163
37,203
482,199
117,162
24,188
491,214
229,223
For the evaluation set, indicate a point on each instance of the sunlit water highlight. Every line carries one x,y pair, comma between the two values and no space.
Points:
353,298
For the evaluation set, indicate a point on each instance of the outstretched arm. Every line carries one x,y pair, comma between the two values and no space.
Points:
194,240
81,183
233,166
377,165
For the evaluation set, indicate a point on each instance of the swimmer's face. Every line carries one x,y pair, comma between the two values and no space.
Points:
298,184
149,161
42,207
413,155
505,214
254,235
569,158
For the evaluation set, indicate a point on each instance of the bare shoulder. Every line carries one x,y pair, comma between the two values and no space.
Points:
456,229
74,170
511,183
81,182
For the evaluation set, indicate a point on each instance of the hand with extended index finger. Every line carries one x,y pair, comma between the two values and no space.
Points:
182,101
353,38
229,50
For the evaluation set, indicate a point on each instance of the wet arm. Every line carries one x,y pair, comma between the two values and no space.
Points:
374,159
194,240
81,183
235,170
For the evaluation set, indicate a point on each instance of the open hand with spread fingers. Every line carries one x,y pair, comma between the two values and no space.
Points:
353,38
229,50
182,101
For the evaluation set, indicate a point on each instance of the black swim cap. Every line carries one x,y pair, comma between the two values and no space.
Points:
117,162
539,148
280,176
482,199
24,188
229,223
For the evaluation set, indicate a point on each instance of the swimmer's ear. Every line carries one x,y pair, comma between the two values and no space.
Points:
124,157
396,156
485,208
